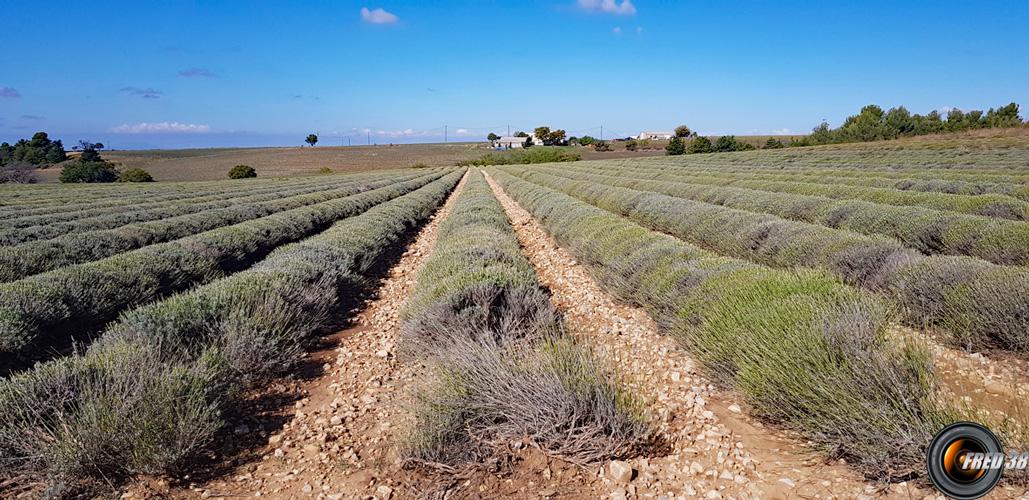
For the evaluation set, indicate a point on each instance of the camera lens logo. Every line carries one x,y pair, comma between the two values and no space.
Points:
965,460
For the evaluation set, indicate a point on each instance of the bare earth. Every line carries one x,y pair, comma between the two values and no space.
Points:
214,164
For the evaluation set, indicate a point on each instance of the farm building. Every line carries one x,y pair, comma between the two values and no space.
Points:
655,135
512,142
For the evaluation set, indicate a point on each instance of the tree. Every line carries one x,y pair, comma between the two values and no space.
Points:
136,175
89,171
242,172
311,139
492,137
683,131
543,134
90,152
631,145
587,140
521,134
773,143
700,145
676,146
557,138
601,146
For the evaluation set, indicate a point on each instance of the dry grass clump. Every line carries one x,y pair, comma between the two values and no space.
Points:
805,350
505,369
79,298
949,293
152,391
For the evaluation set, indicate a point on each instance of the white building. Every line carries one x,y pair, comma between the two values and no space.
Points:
512,142
654,135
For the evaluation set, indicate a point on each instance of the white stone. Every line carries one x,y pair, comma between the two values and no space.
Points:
619,471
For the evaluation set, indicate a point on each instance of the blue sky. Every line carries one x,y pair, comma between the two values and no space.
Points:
223,73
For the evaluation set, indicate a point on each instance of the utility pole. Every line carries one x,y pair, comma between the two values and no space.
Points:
444,133
509,131
348,140
601,132
369,138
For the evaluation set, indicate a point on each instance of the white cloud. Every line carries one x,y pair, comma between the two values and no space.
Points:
377,16
160,128
626,8
617,30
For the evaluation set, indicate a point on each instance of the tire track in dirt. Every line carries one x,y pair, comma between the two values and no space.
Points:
715,451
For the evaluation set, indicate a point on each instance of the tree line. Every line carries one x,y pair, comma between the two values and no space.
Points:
874,124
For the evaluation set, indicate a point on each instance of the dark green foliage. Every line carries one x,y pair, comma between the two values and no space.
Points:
311,139
676,146
683,132
773,143
37,151
728,143
601,146
873,124
242,172
492,137
136,175
631,145
700,145
587,140
89,171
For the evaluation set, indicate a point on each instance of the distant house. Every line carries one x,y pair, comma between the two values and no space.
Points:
512,142
655,135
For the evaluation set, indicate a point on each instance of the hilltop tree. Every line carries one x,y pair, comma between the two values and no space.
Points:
683,131
676,146
521,134
492,137
311,139
557,138
587,140
774,143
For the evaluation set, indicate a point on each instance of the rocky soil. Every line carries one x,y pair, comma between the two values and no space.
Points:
339,439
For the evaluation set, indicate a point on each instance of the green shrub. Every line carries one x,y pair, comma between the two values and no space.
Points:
700,145
774,143
135,175
525,156
676,146
324,170
602,146
91,171
242,172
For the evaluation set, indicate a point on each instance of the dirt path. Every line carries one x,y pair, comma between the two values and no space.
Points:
716,450
339,441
